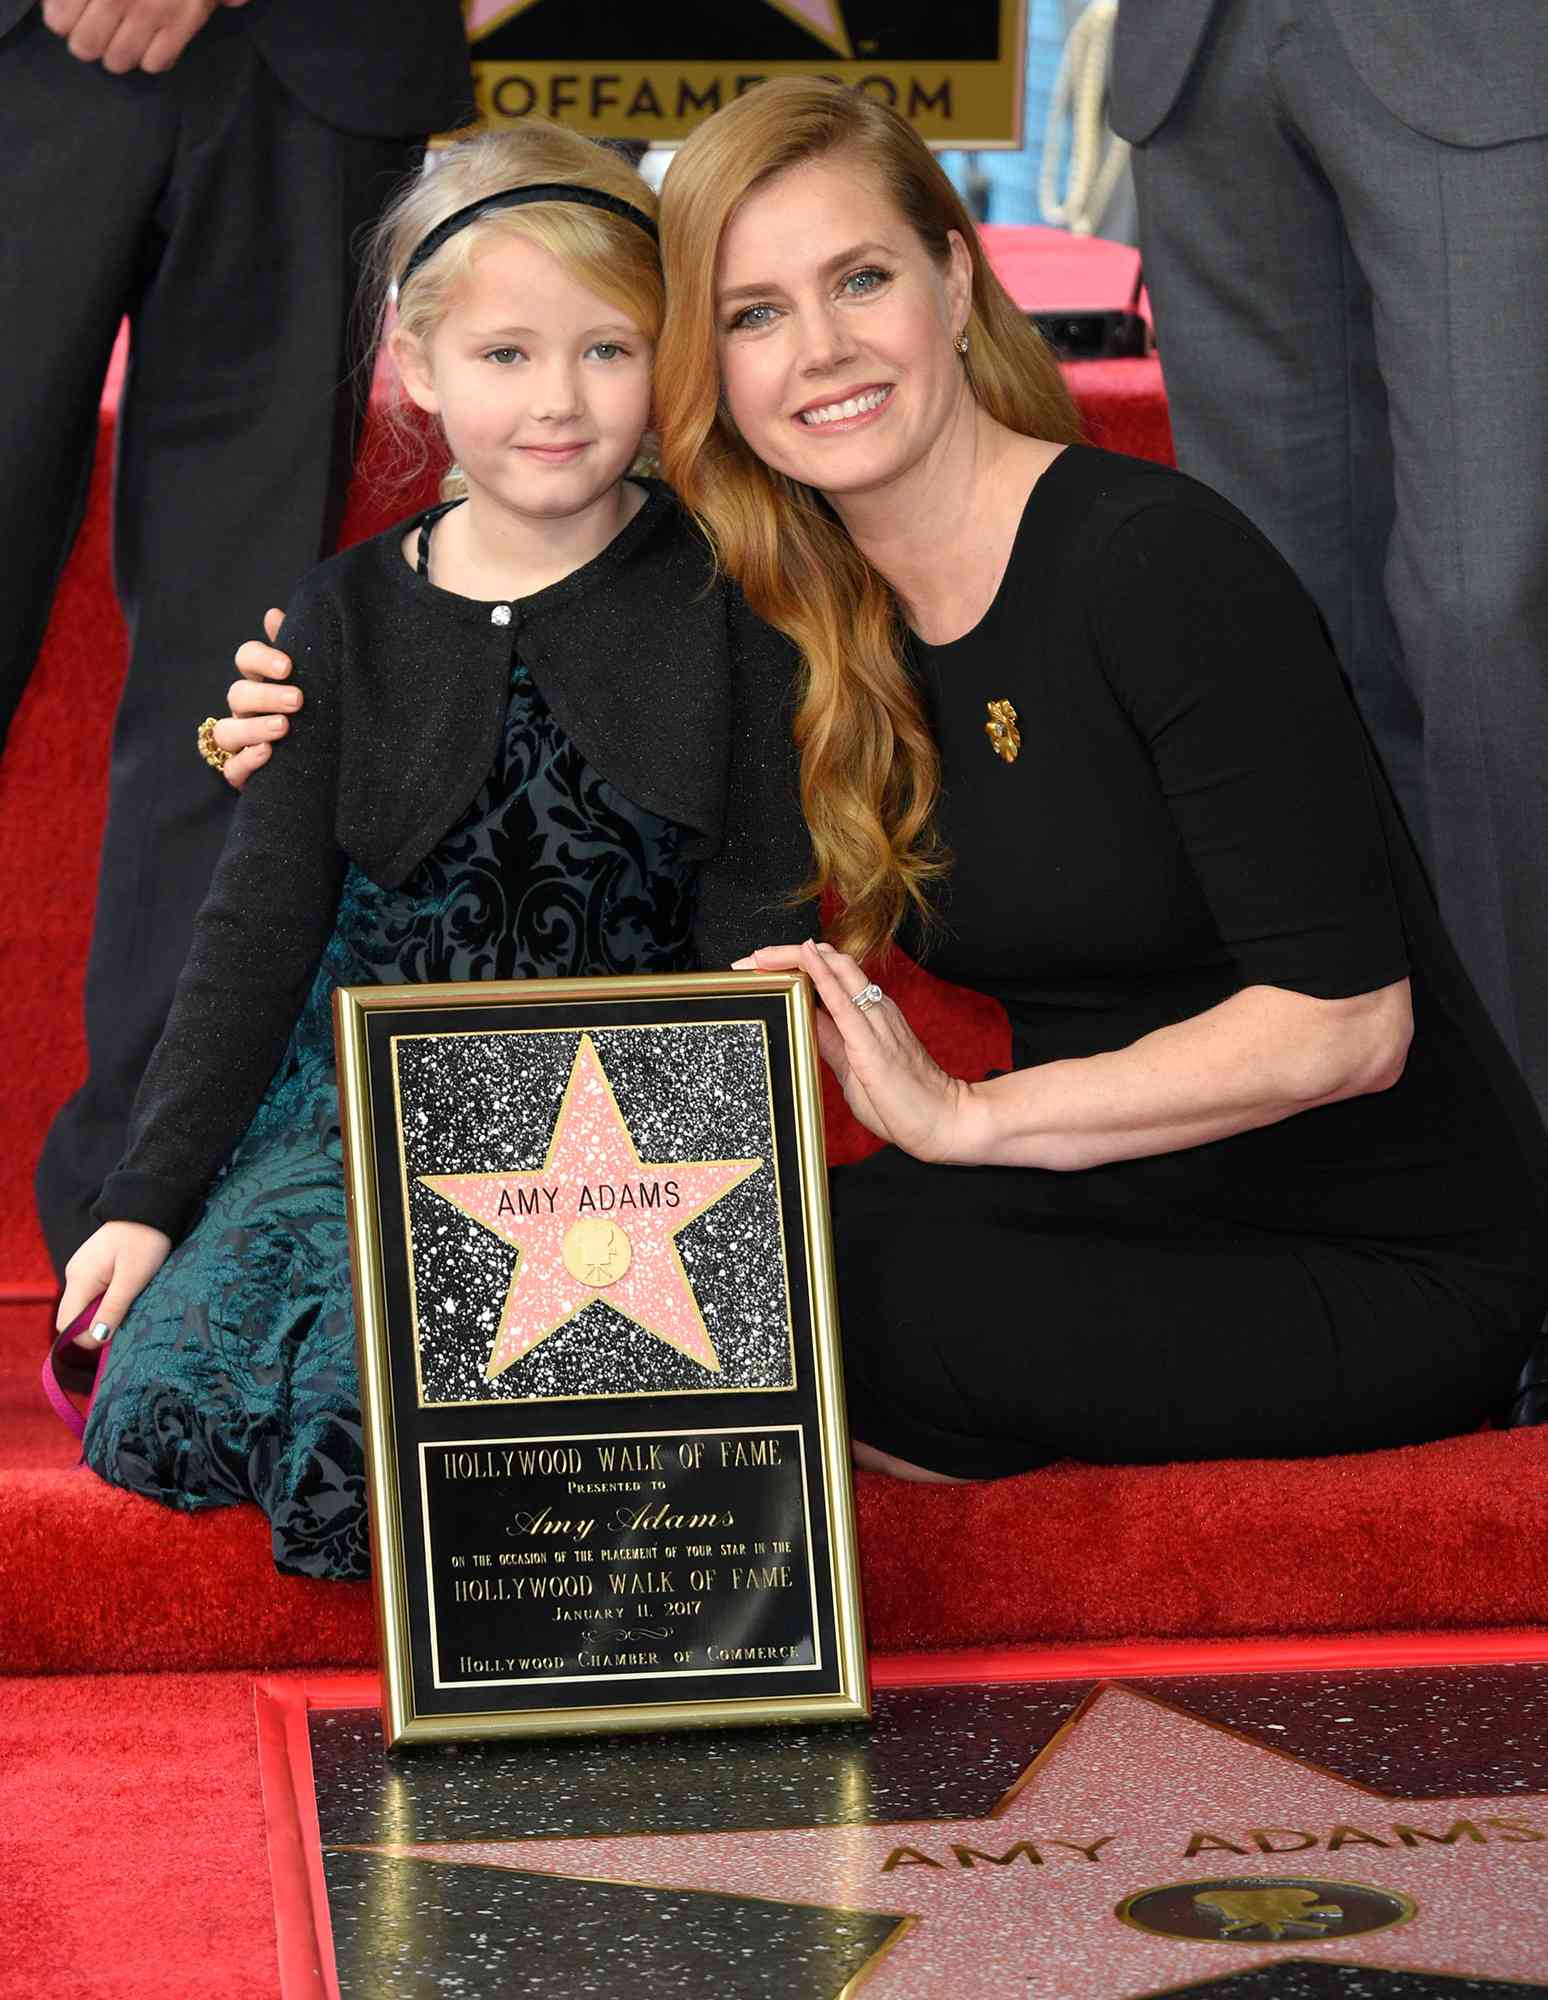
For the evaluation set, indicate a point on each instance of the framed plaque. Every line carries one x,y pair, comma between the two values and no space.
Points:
604,1418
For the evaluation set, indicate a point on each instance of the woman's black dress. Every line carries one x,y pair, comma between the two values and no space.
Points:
1192,810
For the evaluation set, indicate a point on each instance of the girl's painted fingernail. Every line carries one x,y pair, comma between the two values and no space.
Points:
101,1333
744,965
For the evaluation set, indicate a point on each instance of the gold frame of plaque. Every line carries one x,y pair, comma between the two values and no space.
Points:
606,1447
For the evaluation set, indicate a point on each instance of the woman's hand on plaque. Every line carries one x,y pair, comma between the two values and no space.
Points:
890,1081
260,709
116,1263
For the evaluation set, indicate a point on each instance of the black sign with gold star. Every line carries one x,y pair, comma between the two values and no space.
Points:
616,69
605,1444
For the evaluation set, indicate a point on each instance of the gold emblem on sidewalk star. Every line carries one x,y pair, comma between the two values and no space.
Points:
1287,1909
1004,736
563,1219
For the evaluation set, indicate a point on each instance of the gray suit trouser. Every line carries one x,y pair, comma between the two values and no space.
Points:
1352,325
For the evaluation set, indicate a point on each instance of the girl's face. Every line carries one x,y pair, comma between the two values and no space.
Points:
835,329
542,388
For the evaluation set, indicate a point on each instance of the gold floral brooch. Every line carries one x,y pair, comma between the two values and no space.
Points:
1004,736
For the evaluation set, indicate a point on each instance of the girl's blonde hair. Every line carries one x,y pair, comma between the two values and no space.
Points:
870,771
606,253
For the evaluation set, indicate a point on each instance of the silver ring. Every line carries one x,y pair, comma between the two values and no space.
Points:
868,997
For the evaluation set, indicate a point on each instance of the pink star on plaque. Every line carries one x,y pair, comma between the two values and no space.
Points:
595,1222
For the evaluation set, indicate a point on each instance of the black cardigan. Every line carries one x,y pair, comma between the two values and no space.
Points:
656,671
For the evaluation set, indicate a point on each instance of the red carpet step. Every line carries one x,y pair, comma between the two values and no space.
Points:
1440,1537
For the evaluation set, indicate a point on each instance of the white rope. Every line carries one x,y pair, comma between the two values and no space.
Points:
1079,93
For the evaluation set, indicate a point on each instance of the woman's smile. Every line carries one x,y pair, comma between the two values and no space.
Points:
846,412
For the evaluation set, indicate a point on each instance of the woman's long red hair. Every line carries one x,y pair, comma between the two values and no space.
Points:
870,772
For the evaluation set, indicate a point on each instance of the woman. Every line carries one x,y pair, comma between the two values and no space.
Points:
1261,1181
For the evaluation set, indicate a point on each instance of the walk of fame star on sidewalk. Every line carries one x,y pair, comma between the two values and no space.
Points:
1130,1795
595,1222
822,18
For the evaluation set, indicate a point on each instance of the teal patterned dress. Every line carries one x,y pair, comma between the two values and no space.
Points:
234,1377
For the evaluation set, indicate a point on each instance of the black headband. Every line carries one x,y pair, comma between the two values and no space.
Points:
519,197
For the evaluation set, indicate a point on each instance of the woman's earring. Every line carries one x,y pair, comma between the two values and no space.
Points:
961,343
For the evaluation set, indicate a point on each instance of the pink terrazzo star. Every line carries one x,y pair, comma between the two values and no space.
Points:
1023,1902
595,1222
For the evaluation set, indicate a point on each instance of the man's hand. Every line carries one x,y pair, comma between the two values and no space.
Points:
258,708
129,34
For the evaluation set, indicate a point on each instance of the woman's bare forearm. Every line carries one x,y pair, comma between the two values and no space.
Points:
1263,1055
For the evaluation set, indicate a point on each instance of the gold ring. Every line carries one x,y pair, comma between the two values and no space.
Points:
209,749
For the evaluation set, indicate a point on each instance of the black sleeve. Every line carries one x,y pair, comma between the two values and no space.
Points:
745,888
1220,660
257,941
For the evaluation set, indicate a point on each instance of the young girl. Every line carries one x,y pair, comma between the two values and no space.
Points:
524,710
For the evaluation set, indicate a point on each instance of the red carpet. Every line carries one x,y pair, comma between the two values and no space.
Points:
132,1840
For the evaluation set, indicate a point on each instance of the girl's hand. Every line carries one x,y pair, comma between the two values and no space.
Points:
258,708
118,1262
891,1084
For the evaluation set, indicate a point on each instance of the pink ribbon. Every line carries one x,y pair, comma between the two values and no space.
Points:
64,1357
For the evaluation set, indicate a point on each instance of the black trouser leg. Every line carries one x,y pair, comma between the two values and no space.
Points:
232,467
84,154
